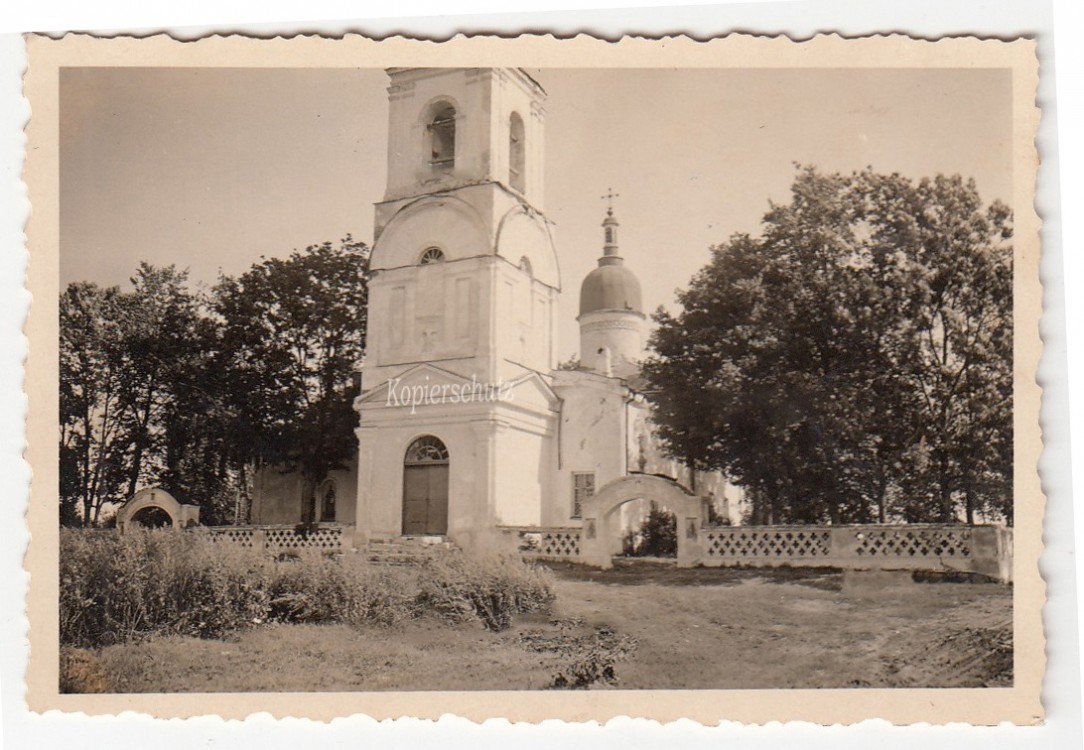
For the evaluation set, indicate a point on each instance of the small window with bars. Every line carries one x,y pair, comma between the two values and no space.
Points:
583,487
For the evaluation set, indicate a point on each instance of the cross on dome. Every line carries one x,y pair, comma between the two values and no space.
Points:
609,198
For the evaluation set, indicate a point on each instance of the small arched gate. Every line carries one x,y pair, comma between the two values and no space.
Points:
599,540
154,507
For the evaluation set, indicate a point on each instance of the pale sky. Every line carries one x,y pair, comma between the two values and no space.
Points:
211,168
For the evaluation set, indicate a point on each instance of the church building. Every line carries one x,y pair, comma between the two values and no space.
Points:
466,424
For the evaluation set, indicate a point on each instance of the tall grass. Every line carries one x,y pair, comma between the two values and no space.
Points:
116,587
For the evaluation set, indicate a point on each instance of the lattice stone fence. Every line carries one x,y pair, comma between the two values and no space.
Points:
538,543
973,549
986,550
283,538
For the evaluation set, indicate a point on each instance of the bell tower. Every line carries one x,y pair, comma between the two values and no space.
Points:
464,271
457,419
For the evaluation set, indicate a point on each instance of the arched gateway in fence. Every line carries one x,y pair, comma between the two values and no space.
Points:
151,506
600,539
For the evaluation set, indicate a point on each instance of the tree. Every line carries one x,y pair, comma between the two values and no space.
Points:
160,349
293,333
858,352
92,450
126,362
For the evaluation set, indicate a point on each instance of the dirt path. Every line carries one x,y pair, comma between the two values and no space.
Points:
742,629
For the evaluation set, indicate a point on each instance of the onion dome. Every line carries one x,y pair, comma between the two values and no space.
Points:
611,286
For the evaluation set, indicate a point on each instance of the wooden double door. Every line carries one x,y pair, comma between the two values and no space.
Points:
425,499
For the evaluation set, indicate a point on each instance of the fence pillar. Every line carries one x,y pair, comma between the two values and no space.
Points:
843,547
594,543
990,553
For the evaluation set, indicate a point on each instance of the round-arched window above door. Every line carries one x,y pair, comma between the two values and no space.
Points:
426,450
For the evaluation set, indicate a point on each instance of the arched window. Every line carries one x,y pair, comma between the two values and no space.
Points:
441,132
516,153
326,498
426,450
431,255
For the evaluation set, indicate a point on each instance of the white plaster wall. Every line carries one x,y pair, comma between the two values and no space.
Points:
277,496
499,460
646,455
523,315
592,436
621,333
430,313
380,479
346,492
524,476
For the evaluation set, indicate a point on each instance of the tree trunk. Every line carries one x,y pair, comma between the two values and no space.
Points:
141,438
308,500
882,490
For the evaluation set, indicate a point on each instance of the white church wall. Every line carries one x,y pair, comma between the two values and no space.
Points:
591,436
523,334
435,312
346,493
380,478
524,477
648,456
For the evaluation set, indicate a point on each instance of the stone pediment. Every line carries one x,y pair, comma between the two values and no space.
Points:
424,376
426,384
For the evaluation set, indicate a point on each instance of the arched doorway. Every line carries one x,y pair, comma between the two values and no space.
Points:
425,487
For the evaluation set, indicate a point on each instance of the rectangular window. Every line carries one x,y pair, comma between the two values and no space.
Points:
583,487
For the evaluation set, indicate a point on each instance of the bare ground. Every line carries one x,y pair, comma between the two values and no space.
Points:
653,626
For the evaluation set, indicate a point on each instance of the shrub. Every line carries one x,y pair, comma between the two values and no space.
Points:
308,589
656,537
491,587
594,659
114,587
